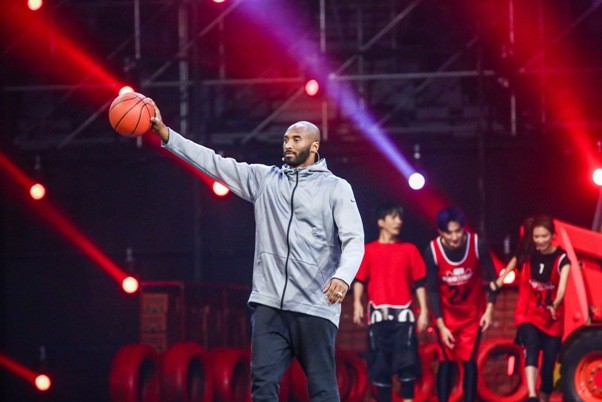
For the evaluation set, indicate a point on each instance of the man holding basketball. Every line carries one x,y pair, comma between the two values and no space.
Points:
308,247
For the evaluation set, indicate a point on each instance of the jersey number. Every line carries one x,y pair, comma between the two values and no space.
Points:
543,299
458,295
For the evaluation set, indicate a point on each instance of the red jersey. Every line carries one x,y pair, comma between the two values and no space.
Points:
463,298
389,270
535,294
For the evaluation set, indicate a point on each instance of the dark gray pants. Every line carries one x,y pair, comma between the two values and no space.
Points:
278,336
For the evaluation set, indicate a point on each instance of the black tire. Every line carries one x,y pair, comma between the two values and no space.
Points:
581,369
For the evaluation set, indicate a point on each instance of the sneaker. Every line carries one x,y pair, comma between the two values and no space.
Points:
532,399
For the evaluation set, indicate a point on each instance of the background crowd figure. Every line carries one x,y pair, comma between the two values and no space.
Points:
457,274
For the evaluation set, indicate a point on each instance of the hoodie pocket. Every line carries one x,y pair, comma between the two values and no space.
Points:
306,281
319,236
269,274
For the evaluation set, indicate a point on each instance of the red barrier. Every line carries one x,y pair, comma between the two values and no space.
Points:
357,376
492,364
425,387
134,375
230,370
186,375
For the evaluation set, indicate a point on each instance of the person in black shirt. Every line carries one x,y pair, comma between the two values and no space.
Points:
544,270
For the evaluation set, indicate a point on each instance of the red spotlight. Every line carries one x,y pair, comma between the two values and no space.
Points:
37,191
312,87
40,381
73,60
34,5
43,382
597,177
60,223
220,190
126,89
155,142
129,285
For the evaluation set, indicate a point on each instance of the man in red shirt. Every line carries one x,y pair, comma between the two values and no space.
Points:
391,270
458,269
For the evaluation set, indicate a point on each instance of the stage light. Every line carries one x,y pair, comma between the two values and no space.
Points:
312,87
37,191
416,181
218,1
42,382
72,59
510,367
220,190
59,222
597,177
129,285
126,89
34,5
510,278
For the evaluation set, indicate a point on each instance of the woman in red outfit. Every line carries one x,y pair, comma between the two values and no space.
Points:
544,270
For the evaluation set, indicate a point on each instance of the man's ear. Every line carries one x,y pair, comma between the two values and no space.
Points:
315,146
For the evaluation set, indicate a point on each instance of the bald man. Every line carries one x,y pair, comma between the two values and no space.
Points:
308,247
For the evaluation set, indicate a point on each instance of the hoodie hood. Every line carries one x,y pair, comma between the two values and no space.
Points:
306,171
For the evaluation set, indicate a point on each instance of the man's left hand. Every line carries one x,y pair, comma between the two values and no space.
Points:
336,290
485,321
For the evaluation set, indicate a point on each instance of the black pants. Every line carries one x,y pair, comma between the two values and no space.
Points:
277,337
534,340
393,350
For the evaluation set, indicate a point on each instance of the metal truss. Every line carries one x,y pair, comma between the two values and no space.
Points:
413,91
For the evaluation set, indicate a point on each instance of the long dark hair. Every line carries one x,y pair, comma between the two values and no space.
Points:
525,246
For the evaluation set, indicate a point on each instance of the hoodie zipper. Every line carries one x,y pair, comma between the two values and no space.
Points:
288,244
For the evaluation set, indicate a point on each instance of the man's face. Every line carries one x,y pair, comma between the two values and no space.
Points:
296,147
453,237
391,224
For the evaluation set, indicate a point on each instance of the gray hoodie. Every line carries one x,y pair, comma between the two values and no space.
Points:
308,229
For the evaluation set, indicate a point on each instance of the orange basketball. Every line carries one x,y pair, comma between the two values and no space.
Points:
130,114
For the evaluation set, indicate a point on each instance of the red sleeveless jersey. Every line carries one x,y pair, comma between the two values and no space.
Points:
534,296
463,298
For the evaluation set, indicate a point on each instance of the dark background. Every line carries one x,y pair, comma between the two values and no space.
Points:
123,194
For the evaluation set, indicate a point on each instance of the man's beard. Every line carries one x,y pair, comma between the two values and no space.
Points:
300,158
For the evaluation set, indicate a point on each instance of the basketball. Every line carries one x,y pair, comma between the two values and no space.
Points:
130,114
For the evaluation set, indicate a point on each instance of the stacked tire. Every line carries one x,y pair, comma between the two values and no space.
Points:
135,375
188,373
141,374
